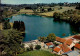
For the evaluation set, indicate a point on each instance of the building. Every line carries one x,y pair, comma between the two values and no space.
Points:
77,47
49,45
71,53
77,37
62,48
57,50
34,43
70,42
60,40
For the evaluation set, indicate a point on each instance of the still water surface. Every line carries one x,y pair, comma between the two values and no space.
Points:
36,26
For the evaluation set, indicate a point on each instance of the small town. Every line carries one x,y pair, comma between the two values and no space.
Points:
69,46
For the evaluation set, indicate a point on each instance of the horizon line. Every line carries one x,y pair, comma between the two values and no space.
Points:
41,3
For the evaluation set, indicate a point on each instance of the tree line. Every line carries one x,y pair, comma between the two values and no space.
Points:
19,25
71,16
11,38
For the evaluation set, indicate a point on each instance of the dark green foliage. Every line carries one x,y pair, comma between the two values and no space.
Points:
11,42
37,47
42,39
42,10
60,7
6,25
79,42
49,38
19,25
71,16
49,9
30,48
78,7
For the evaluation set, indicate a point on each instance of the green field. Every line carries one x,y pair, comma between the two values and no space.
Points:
37,53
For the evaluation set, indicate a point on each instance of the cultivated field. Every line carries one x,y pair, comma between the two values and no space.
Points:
57,10
48,14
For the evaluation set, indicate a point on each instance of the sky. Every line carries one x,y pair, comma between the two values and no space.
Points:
35,1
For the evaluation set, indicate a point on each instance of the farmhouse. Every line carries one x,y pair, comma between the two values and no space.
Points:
77,37
62,48
60,40
77,47
49,45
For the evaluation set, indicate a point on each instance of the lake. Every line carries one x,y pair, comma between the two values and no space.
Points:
36,26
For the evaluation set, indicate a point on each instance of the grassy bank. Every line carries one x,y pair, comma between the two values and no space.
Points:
37,53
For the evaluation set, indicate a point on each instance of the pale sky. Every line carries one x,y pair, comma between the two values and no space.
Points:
35,1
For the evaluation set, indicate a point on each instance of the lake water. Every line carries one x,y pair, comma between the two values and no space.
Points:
42,26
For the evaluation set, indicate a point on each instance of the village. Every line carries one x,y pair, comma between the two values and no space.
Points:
25,25
69,46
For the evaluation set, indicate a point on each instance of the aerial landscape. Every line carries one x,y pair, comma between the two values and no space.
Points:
39,27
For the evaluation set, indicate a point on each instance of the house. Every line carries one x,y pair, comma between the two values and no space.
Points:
49,45
77,47
57,50
33,42
77,37
63,48
71,53
60,40
69,42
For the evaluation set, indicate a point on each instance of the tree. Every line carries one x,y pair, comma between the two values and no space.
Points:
60,7
19,25
79,42
37,47
11,42
49,9
51,37
6,25
42,10
42,39
31,47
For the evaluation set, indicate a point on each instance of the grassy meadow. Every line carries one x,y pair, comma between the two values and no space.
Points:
37,53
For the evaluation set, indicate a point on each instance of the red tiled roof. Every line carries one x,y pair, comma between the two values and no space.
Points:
56,49
50,43
64,47
77,46
76,37
60,39
69,41
60,45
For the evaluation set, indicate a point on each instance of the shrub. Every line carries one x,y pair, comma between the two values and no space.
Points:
6,25
37,47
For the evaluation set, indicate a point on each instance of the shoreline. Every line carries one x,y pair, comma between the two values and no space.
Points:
36,15
29,14
68,37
